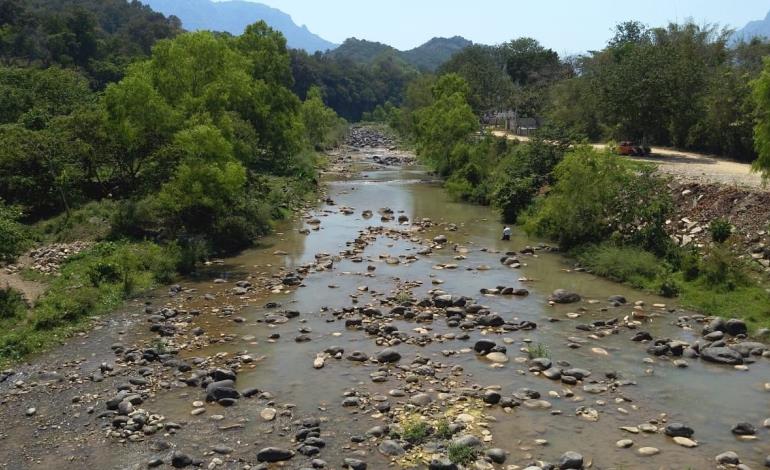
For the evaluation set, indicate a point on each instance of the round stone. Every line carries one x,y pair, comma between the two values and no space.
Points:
648,451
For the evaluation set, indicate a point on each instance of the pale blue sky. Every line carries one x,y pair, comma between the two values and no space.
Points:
563,25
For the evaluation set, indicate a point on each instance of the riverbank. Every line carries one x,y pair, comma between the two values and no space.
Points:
389,325
85,267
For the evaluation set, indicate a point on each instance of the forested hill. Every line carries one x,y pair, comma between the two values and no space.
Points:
234,16
99,37
429,56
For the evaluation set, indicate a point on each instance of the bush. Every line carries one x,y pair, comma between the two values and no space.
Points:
598,196
14,237
668,288
720,230
461,454
689,263
537,350
415,431
443,431
93,221
721,270
12,304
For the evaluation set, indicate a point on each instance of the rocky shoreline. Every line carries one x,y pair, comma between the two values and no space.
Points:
188,358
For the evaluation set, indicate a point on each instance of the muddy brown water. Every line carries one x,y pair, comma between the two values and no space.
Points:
708,398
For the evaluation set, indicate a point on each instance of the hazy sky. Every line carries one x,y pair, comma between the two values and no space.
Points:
563,25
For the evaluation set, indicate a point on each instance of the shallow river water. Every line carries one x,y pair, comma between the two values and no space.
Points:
709,398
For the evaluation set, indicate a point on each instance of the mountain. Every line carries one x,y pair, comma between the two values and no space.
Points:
759,28
233,17
433,54
362,51
428,56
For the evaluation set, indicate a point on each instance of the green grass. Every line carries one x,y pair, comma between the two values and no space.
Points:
718,285
461,454
403,297
442,429
415,431
629,265
93,221
91,283
751,303
538,350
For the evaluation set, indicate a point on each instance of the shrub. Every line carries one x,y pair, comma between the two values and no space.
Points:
668,287
415,431
522,172
720,230
14,237
720,269
689,262
461,454
598,196
12,303
93,221
442,429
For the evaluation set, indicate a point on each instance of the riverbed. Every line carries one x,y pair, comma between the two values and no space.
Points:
627,387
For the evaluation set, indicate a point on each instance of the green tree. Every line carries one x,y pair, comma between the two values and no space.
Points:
205,185
598,197
320,122
490,87
445,123
761,93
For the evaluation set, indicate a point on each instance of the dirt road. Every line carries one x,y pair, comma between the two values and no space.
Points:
691,166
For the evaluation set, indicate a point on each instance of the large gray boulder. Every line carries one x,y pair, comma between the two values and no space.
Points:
722,355
561,296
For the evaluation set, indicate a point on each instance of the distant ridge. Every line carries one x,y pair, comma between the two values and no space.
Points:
233,17
428,56
753,29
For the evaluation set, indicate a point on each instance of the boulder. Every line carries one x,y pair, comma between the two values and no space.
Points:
216,391
571,460
561,296
388,355
722,355
679,430
274,454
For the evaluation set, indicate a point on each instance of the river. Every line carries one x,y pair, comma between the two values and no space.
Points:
641,389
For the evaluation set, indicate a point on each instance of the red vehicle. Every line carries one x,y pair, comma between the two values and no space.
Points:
631,149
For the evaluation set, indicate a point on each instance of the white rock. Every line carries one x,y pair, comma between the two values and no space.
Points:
685,442
648,451
268,414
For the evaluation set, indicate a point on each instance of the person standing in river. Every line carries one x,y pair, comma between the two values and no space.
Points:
507,233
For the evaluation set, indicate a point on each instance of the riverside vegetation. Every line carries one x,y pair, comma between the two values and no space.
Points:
609,213
190,146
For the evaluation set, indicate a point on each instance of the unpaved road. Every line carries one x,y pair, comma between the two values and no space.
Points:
690,166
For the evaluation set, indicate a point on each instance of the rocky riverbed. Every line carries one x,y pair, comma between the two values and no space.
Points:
389,327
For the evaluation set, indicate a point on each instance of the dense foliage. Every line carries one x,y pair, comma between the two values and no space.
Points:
679,85
192,144
100,37
14,237
513,75
598,196
761,89
351,88
197,141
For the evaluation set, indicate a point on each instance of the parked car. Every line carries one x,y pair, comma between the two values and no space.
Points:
633,149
